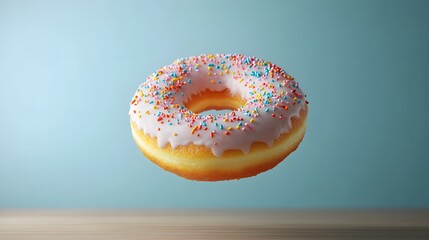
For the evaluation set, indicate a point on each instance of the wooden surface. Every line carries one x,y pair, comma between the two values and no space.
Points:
222,224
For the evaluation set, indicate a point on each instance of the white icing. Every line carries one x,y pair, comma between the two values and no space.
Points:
263,85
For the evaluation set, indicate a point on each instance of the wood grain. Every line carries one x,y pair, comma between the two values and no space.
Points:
214,224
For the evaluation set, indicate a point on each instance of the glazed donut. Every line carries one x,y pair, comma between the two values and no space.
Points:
266,120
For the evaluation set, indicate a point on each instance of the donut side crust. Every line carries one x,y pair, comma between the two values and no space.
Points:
196,162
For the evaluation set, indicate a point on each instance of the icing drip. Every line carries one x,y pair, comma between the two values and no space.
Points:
272,98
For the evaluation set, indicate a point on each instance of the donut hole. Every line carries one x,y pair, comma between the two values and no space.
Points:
214,102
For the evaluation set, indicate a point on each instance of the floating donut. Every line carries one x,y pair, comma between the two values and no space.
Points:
266,120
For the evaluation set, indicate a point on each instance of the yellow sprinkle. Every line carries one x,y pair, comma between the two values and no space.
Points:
220,73
253,111
212,81
232,73
197,65
209,68
252,120
147,112
175,134
241,79
155,107
194,129
209,74
226,71
140,116
230,128
282,93
295,98
238,127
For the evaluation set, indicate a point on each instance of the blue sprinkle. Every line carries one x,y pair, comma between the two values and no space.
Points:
210,65
267,109
216,124
240,123
204,124
189,80
221,127
182,94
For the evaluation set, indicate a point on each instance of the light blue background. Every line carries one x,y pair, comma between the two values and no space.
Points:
68,70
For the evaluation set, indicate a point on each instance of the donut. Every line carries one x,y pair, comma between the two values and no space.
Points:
264,121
